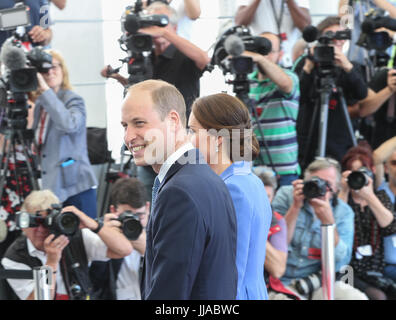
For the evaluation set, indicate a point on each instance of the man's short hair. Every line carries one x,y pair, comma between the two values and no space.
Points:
130,191
161,5
328,22
322,164
165,97
39,200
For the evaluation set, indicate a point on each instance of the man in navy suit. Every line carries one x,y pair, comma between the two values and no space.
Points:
191,233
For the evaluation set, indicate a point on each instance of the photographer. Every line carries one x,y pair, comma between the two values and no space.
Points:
118,279
60,133
39,31
304,217
347,77
284,18
176,60
276,92
374,220
37,247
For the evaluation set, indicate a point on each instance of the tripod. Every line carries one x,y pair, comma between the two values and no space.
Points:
13,137
326,87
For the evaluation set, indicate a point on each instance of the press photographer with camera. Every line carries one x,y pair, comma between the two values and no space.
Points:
67,255
326,66
119,279
39,31
60,134
374,220
276,93
306,205
176,60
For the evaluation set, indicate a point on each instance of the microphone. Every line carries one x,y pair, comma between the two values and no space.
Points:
133,22
310,33
13,57
234,45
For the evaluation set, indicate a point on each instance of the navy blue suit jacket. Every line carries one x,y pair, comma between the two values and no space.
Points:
191,236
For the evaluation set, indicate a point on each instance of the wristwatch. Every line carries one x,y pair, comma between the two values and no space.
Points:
100,225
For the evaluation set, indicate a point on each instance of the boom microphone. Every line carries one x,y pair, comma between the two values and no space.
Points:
13,57
234,45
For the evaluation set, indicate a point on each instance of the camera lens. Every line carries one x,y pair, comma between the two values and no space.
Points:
132,228
357,180
68,223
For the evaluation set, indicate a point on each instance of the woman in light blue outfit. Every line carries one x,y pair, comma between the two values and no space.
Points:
220,127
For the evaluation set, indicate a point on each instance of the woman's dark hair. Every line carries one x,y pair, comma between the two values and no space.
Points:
228,114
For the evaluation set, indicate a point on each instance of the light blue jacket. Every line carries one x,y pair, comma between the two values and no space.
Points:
65,143
254,214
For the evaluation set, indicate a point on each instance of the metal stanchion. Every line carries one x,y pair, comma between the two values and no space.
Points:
328,261
42,277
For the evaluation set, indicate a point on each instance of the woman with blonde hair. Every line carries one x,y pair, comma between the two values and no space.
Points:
60,134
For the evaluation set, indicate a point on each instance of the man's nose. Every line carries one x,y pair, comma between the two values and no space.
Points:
130,135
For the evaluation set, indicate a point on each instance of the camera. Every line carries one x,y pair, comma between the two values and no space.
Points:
307,285
14,17
234,42
378,41
58,223
324,52
137,45
359,178
315,188
130,224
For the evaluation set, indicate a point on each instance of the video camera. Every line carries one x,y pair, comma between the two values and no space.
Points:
138,46
324,52
20,65
130,224
234,42
378,41
58,223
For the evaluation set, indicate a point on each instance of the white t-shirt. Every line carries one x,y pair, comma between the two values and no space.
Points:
184,23
94,247
128,284
265,21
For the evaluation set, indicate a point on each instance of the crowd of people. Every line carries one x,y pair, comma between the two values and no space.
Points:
226,203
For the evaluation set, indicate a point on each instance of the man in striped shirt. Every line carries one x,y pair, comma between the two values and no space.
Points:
276,94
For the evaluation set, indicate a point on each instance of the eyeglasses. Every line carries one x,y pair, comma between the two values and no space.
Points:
54,67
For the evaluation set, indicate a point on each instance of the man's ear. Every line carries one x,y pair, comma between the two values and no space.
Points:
113,209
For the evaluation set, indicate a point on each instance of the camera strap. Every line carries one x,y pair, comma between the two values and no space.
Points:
279,18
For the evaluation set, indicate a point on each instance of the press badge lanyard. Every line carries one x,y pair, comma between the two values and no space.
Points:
278,19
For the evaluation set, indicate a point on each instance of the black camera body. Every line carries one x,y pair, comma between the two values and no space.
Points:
359,178
315,188
324,52
66,223
243,40
130,225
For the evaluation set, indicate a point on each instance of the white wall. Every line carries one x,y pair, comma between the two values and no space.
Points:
86,33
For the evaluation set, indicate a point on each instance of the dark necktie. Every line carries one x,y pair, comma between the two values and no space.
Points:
154,192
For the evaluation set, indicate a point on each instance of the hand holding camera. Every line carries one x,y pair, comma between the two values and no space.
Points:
53,247
298,195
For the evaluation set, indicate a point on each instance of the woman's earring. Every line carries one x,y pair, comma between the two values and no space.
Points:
217,148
